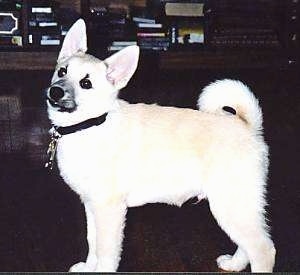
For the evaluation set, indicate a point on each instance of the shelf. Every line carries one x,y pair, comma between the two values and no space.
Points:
27,60
168,60
182,60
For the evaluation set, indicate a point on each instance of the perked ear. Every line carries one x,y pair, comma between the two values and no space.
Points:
122,65
75,41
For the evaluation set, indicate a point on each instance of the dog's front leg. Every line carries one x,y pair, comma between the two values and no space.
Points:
91,261
110,222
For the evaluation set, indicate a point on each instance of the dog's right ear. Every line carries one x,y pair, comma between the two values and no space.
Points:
121,66
75,41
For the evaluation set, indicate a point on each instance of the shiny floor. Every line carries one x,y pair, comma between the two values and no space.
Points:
42,223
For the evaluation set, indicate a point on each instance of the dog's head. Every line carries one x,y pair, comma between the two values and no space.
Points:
84,86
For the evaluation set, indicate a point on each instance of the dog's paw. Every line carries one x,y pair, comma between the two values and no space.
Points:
81,267
88,266
229,263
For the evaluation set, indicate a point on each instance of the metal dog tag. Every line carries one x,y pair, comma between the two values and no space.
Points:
52,150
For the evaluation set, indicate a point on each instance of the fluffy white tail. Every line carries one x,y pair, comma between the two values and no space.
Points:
231,96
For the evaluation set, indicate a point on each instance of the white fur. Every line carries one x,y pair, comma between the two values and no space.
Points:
75,41
148,153
235,94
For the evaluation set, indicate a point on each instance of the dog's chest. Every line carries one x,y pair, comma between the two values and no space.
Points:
82,159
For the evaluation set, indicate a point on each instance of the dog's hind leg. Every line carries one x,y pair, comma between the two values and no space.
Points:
237,262
239,216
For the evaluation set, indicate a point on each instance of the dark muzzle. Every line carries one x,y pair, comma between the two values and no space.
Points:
56,93
61,96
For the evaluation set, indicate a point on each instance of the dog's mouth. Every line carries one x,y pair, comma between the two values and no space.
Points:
63,105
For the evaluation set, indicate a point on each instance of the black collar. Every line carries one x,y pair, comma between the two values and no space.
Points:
81,126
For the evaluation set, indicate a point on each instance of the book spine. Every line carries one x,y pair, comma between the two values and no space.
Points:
150,25
123,43
41,10
50,42
157,34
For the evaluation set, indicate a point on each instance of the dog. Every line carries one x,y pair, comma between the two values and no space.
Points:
116,155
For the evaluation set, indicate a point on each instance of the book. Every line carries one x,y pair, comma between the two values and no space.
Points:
50,42
151,34
123,43
143,20
150,25
119,45
41,10
184,9
47,24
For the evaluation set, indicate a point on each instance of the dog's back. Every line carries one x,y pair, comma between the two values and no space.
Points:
169,150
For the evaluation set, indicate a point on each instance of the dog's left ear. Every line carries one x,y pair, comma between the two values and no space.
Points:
75,41
122,65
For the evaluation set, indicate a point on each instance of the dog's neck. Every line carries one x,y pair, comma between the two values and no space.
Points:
61,131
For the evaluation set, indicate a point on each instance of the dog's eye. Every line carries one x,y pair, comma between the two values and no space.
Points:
62,72
85,83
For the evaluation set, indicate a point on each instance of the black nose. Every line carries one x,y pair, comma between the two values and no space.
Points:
56,93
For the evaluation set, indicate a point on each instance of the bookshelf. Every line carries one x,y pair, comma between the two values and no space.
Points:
26,58
181,58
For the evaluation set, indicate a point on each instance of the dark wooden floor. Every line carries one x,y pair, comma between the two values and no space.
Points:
42,221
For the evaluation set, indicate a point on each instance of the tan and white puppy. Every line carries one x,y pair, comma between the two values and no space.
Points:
140,154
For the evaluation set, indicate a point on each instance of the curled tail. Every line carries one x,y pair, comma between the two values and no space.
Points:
231,96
